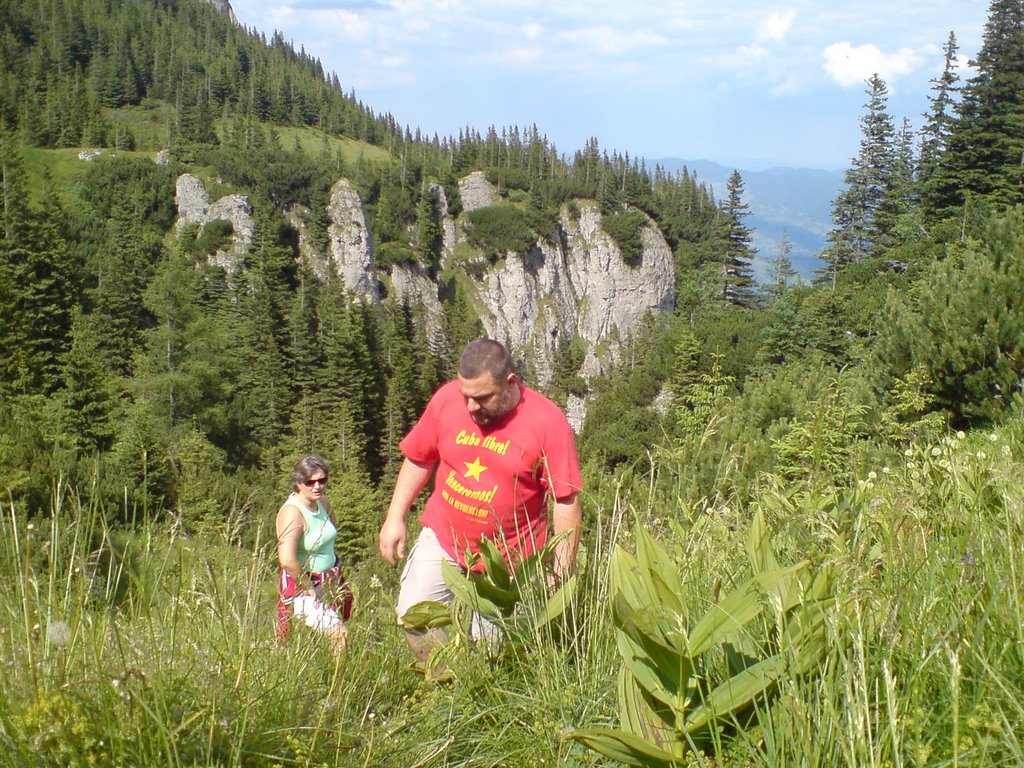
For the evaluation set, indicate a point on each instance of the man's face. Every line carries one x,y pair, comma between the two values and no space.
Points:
488,400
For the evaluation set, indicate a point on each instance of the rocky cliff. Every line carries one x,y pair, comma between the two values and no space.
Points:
578,285
575,285
194,208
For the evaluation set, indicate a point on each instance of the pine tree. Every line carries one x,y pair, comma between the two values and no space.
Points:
265,379
122,274
37,289
937,130
782,273
429,236
987,142
738,287
92,397
864,213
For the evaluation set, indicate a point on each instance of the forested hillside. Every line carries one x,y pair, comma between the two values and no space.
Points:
130,355
153,397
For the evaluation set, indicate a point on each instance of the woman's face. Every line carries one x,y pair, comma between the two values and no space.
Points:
313,487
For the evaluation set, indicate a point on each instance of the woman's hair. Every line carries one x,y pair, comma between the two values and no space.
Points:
306,466
485,355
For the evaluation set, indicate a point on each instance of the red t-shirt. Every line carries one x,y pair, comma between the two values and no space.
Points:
493,480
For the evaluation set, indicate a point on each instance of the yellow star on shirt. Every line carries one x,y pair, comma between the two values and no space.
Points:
474,469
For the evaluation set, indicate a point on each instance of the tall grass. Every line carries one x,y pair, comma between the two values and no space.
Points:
142,646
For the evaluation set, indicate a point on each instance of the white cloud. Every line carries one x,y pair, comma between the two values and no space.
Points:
523,54
611,41
791,84
851,65
775,28
532,31
750,54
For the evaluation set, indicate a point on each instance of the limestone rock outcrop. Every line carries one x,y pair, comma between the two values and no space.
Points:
574,284
476,192
194,207
351,244
585,289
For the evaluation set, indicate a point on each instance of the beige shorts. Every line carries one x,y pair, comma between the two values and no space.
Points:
421,577
422,580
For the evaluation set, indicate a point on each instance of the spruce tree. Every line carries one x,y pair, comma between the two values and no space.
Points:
937,130
987,142
864,213
738,287
781,274
429,236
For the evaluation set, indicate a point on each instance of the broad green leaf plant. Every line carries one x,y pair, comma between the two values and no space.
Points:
770,627
518,601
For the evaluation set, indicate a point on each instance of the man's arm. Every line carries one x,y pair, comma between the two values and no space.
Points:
568,516
412,479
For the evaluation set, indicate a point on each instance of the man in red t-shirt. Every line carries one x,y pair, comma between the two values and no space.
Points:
498,451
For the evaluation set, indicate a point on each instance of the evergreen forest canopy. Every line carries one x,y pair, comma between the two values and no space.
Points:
134,367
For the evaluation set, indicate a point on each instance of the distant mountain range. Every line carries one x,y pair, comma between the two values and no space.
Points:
795,200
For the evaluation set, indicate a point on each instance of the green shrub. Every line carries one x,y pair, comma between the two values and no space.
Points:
214,236
500,229
386,255
625,228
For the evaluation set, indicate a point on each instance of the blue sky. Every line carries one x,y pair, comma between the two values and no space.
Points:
746,84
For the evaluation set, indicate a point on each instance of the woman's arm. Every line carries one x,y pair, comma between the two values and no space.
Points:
290,529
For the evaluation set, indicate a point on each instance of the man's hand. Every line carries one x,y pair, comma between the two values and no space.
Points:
412,478
392,540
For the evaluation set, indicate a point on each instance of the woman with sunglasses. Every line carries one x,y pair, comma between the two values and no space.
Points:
311,586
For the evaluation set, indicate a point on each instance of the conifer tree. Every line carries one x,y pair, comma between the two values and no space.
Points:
864,213
685,373
184,370
782,273
938,128
91,398
738,287
265,379
429,236
124,270
987,141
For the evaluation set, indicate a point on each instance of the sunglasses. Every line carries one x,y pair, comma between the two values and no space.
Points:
314,480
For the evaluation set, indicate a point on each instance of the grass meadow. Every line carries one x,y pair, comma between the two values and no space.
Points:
143,646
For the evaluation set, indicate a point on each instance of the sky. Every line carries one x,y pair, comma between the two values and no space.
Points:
746,84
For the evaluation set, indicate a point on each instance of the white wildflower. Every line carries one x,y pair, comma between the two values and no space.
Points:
960,435
872,475
936,451
908,452
886,470
59,634
993,437
375,582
